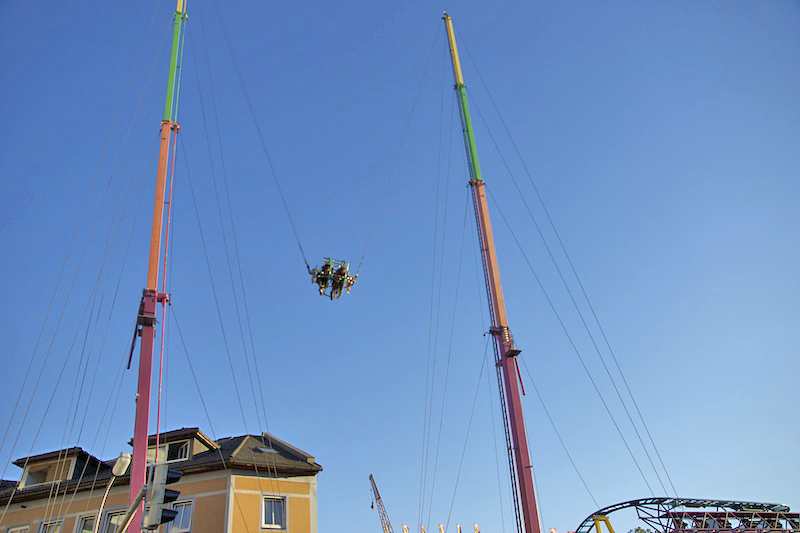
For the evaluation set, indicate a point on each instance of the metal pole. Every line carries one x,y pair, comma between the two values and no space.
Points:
500,331
147,311
128,518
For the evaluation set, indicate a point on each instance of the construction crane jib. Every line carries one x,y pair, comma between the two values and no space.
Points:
387,526
504,343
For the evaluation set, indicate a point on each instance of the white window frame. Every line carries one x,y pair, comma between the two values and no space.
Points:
278,527
19,529
173,529
107,519
82,518
165,446
58,522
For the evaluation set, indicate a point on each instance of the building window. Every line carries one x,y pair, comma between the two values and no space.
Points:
19,529
183,520
169,452
86,524
36,477
47,472
53,526
177,451
274,513
114,522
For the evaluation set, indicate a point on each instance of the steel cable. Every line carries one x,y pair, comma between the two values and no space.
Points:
216,303
218,203
558,434
435,303
572,298
73,239
237,256
479,293
261,137
123,263
571,341
214,434
114,236
573,270
382,198
82,256
447,363
469,427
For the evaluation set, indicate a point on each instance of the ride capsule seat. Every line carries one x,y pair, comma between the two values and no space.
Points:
332,278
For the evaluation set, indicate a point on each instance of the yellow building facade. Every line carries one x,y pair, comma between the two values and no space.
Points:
243,484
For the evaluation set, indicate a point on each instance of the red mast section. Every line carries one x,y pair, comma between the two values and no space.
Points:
505,353
147,310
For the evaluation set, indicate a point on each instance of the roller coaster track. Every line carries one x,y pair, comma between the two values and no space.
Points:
679,515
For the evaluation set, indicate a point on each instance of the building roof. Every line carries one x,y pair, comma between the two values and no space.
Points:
179,434
264,455
57,454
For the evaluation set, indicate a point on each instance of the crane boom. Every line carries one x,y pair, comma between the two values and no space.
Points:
505,351
387,526
146,320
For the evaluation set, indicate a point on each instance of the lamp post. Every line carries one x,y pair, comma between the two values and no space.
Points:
119,469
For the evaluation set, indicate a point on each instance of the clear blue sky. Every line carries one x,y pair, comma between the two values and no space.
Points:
663,137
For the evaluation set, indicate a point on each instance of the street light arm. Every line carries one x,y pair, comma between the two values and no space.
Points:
119,469
103,504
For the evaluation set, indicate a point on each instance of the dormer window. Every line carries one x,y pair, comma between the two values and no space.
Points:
47,472
169,452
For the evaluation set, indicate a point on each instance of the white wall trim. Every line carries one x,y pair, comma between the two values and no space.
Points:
291,479
272,494
313,506
229,508
205,494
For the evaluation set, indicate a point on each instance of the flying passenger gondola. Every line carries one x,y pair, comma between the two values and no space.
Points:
332,278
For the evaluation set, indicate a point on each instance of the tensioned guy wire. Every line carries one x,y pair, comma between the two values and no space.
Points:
261,137
577,277
572,298
571,341
435,304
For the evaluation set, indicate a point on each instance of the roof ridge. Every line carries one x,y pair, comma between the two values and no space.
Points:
285,444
